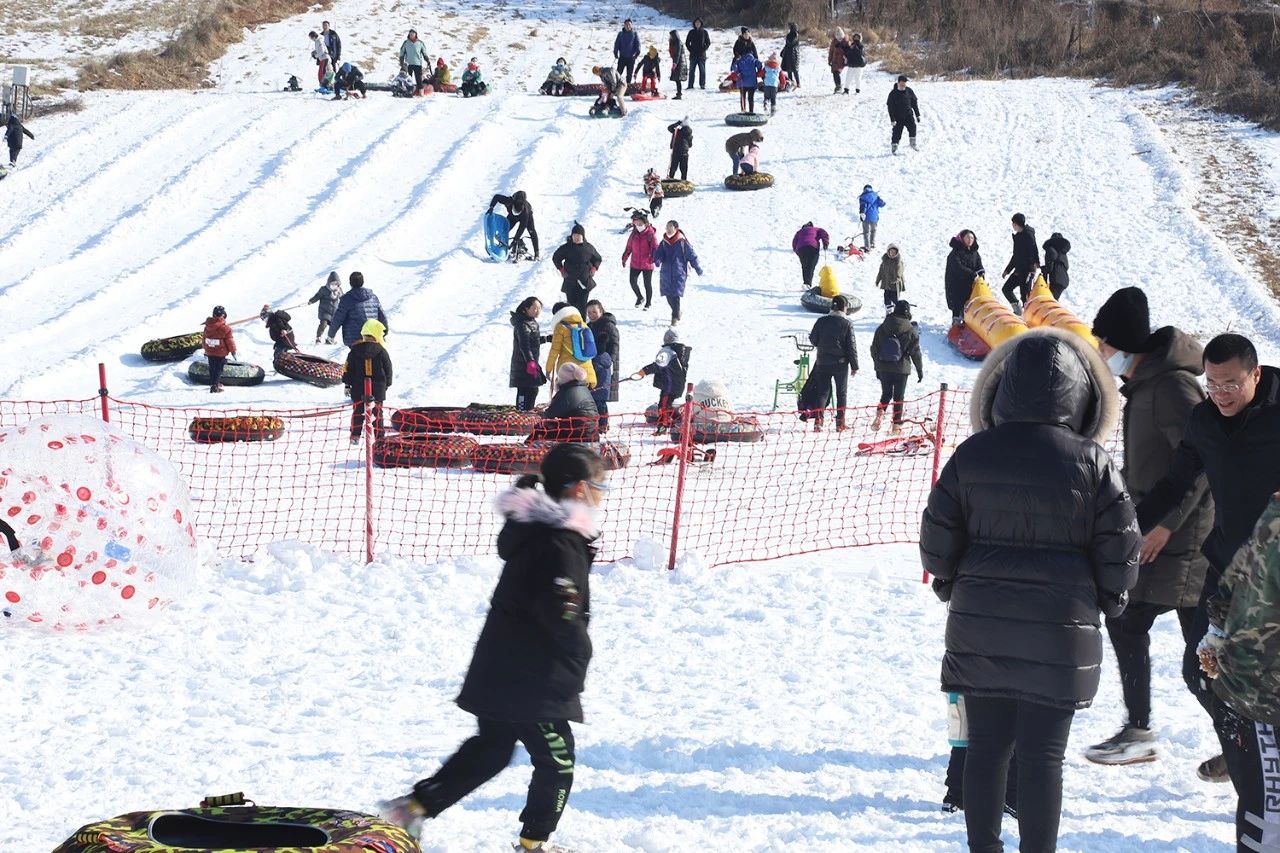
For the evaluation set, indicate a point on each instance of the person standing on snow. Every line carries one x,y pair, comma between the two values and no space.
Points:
320,53
964,265
355,307
1056,267
332,42
219,345
698,41
747,67
368,360
1024,585
836,56
806,243
520,214
567,320
328,295
529,668
650,70
578,262
642,241
744,45
413,58
895,347
836,359
681,141
13,134
679,67
1023,263
526,374
774,79
904,112
890,277
855,59
791,56
1159,374
673,258
604,327
626,48
869,204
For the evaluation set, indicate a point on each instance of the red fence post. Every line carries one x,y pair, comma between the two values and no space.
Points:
369,416
686,448
102,391
938,432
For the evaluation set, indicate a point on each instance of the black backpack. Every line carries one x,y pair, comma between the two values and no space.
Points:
891,350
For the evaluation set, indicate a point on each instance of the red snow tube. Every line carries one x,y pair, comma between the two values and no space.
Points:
418,419
311,369
527,458
484,419
967,343
648,96
424,451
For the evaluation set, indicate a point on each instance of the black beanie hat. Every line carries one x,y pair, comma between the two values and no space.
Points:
1123,321
578,229
902,308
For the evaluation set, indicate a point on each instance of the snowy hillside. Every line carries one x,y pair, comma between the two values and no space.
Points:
790,705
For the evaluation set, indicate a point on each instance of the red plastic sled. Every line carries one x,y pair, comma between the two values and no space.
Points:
968,344
648,96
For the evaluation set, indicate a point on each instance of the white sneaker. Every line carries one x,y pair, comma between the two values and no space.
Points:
406,813
1130,745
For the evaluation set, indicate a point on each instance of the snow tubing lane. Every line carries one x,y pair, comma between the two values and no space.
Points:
758,181
244,428
311,369
176,348
746,119
479,419
527,458
424,451
813,300
743,428
241,828
419,419
235,373
676,189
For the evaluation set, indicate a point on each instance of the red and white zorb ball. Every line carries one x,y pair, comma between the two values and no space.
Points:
103,526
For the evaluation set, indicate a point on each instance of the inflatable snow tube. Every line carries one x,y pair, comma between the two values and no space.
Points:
420,419
311,369
242,829
527,458
424,450
813,300
746,119
671,188
235,373
245,428
483,419
176,348
594,89
739,428
603,114
756,181
989,318
1043,310
964,341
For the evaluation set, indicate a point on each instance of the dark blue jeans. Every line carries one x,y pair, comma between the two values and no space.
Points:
699,65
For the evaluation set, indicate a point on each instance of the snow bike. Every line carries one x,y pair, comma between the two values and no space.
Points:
850,249
793,386
920,444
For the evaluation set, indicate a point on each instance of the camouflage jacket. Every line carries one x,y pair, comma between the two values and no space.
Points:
1247,608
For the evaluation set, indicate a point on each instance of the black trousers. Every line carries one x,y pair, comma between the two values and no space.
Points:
1130,634
628,66
648,285
681,162
794,74
835,75
13,153
577,293
487,754
808,263
357,419
416,71
822,375
216,365
890,297
955,779
674,302
526,396
893,387
898,124
1253,760
747,99
1038,734
1019,280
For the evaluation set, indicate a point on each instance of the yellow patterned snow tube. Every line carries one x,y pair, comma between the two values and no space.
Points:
989,318
827,284
1043,310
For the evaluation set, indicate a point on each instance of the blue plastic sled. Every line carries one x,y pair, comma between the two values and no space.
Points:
496,229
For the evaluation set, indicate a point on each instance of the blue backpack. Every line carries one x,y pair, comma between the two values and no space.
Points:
584,343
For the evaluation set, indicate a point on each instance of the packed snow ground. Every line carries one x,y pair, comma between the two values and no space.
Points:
791,705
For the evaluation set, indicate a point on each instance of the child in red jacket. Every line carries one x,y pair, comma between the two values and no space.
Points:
219,343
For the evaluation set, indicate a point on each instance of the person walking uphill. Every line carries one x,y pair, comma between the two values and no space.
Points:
836,57
577,260
890,277
642,240
869,204
836,360
681,141
673,257
1023,263
1056,266
855,59
895,347
904,112
219,344
526,374
964,265
1028,534
328,295
806,243
791,56
626,48
698,41
355,307
1159,373
368,360
413,58
529,667
13,133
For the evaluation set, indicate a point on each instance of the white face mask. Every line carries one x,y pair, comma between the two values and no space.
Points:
1120,362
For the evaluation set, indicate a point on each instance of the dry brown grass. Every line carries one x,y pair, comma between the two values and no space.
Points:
183,62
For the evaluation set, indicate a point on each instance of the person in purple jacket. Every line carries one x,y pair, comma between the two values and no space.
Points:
673,257
806,244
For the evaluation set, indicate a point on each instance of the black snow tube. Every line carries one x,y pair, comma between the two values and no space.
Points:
746,119
813,300
311,369
672,188
756,181
424,451
176,348
235,373
488,419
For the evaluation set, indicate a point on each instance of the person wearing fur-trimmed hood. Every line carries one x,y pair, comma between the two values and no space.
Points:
566,318
328,295
1029,533
529,667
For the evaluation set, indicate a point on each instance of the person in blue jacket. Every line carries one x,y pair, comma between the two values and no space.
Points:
747,67
869,204
356,305
626,47
673,257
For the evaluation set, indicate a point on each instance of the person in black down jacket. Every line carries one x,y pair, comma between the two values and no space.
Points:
530,664
572,414
604,327
964,265
526,353
895,347
836,360
519,216
1056,267
698,41
681,141
791,55
904,112
1029,533
1023,263
368,359
577,260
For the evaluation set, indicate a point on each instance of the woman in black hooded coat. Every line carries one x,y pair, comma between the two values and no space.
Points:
791,56
526,374
1029,533
1056,268
964,264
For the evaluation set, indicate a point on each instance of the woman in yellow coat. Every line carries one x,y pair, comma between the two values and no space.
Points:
566,319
